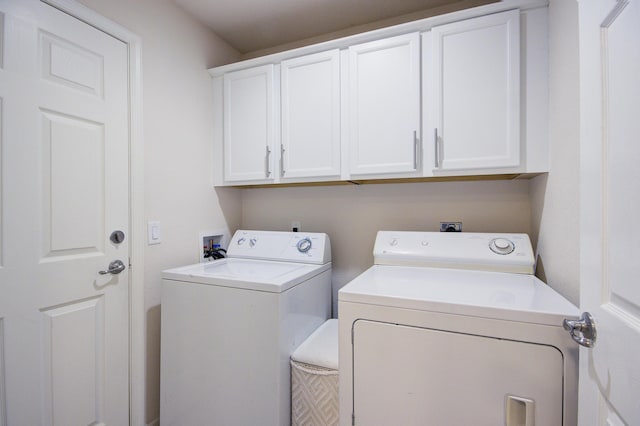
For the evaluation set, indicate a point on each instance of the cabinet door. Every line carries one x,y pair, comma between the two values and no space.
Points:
248,124
310,88
476,93
384,106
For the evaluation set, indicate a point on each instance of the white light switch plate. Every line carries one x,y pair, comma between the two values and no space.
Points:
153,232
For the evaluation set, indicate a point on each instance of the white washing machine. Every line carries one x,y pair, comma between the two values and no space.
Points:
454,329
229,327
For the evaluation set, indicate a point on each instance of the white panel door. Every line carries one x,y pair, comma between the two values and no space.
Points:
310,91
248,124
64,142
416,376
384,106
610,208
475,86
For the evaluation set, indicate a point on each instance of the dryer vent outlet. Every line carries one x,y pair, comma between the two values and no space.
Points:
450,226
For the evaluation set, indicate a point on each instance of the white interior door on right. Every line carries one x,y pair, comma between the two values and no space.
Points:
609,34
474,78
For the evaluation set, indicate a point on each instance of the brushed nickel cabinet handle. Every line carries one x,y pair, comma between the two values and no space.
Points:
266,162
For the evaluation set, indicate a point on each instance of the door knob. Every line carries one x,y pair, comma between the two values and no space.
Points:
115,268
583,331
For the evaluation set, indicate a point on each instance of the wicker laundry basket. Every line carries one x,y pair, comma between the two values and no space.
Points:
314,378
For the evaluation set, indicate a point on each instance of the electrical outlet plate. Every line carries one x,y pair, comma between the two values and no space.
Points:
450,226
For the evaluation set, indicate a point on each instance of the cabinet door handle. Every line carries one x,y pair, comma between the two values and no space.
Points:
416,150
437,148
281,160
266,162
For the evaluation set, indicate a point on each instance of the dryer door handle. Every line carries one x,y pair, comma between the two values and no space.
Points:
520,411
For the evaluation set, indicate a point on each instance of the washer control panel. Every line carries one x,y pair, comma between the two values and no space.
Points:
306,247
459,250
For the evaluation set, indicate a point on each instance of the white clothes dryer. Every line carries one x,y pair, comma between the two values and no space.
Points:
454,329
229,327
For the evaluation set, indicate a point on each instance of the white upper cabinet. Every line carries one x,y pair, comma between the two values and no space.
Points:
248,125
461,94
384,107
310,107
472,87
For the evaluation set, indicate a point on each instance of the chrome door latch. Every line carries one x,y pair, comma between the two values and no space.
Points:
115,268
583,331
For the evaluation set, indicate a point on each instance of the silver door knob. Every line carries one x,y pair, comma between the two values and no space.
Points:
583,331
115,268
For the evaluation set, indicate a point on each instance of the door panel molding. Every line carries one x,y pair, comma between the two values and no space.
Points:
78,187
1,163
66,63
62,327
3,400
1,40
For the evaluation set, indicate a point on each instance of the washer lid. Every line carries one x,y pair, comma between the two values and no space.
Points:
250,274
505,296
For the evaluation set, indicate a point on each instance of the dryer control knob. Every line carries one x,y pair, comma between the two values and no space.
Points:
241,241
501,246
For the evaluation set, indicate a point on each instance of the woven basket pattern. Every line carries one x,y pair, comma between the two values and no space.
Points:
314,395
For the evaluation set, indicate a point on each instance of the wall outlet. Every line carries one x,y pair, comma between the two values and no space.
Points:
450,226
296,226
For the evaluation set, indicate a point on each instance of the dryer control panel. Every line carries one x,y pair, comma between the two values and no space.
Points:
464,250
304,247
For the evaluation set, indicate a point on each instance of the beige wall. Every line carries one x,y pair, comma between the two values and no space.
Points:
177,108
554,197
352,215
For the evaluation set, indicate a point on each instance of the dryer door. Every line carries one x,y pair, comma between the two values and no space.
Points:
416,376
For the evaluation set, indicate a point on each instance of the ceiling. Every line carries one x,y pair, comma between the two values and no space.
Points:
254,25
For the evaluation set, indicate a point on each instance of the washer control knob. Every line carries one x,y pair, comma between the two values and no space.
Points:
304,245
501,246
252,242
393,242
241,241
